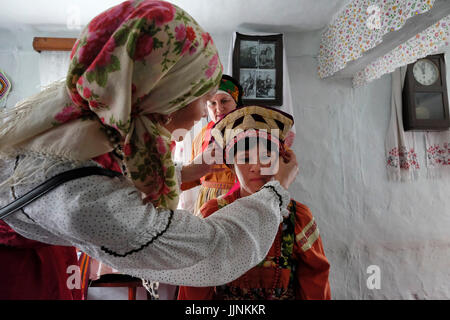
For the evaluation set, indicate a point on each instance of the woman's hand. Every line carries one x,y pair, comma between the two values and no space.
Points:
287,169
201,165
193,171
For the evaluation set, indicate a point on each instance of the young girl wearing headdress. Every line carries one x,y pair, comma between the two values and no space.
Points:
296,267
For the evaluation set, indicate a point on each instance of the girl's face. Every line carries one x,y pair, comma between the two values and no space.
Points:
251,167
220,105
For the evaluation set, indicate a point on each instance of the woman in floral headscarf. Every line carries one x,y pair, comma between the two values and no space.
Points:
140,72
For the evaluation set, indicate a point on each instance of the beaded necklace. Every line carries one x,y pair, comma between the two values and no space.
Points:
276,280
223,201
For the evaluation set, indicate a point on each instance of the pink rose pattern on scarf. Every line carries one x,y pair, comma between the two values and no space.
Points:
212,66
70,112
137,30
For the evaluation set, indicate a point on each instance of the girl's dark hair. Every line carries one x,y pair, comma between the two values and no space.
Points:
247,144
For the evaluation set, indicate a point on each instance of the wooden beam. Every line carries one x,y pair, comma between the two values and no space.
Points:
392,40
53,44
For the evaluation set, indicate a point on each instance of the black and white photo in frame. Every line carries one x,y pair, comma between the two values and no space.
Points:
258,64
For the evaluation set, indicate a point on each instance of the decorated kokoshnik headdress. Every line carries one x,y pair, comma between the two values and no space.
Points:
138,58
252,121
230,86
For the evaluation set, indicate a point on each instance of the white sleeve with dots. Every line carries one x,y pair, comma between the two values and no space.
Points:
105,218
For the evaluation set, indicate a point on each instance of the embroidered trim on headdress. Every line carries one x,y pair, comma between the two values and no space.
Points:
273,121
250,133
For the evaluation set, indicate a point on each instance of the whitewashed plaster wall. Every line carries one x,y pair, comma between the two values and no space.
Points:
20,63
404,228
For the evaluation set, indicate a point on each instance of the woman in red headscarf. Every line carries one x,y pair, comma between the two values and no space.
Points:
140,75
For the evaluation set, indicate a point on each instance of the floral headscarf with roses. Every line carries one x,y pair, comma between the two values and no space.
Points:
133,60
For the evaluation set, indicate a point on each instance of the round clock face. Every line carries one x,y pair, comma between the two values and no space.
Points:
425,72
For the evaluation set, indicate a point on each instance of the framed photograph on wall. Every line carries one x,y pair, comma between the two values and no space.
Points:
258,65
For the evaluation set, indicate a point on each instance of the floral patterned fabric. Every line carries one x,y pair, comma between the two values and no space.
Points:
361,27
400,146
438,154
135,59
421,45
402,162
401,158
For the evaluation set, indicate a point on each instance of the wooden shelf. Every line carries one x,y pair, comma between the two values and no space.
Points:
53,44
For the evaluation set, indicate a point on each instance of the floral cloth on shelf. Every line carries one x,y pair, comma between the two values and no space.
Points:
361,27
421,45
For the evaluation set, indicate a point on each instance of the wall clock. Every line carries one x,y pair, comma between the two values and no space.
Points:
425,72
425,96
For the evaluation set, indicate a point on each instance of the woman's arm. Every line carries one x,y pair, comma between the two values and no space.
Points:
105,218
190,181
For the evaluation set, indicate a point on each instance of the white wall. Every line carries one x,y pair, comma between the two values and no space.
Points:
363,219
20,63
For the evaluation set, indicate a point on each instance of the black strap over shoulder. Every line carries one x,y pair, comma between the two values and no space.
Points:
52,183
